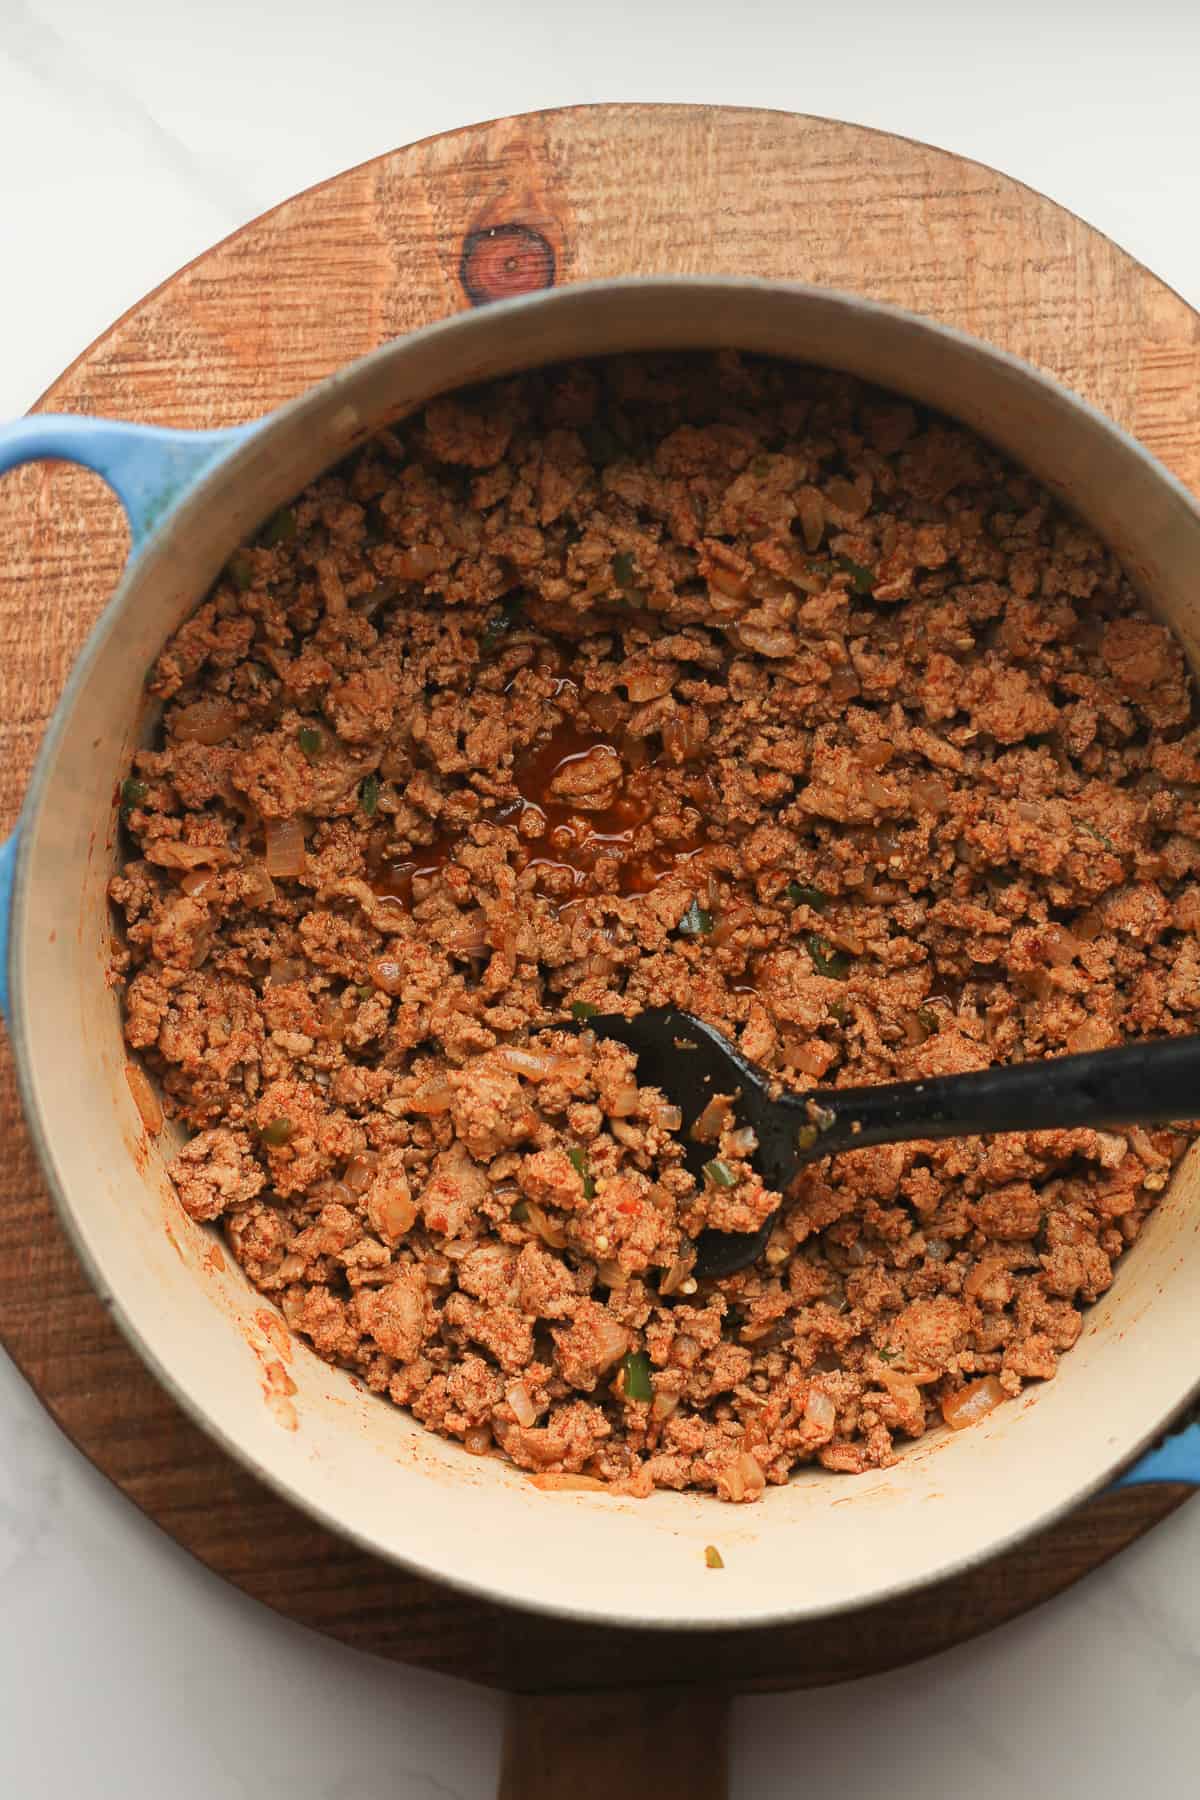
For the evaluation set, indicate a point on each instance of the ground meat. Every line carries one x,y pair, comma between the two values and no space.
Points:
214,1171
703,681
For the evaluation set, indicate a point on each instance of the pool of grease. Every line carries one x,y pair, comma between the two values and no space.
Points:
577,842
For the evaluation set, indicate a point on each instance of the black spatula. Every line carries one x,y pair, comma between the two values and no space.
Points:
1138,1084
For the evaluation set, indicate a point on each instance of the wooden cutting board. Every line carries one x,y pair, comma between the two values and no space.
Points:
456,221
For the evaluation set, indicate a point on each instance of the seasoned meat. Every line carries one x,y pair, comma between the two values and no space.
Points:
706,681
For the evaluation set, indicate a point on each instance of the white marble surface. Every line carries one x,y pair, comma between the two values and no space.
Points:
132,134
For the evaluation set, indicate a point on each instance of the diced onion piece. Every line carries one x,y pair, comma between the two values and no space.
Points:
478,1440
189,857
607,712
711,1122
766,641
359,1171
611,1343
391,1207
810,510
417,563
728,581
287,968
1143,1147
257,887
819,1410
398,1215
922,1377
745,1477
437,1267
1061,947
812,1055
752,1474
649,683
743,1141
846,497
387,974
535,1065
900,1385
930,796
779,1248
663,1405
519,1399
197,881
208,721
285,853
667,1118
470,937
144,1098
331,1193
1088,927
681,740
972,1403
201,944
549,1233
331,1021
433,1097
1093,1034
623,1101
729,924
677,1274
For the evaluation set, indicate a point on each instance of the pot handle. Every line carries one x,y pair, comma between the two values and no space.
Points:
1177,1458
149,468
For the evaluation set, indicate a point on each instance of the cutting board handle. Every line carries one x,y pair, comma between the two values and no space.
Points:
665,1743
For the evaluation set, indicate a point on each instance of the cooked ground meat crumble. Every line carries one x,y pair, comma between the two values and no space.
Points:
709,682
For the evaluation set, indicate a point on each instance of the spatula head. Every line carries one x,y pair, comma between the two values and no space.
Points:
691,1061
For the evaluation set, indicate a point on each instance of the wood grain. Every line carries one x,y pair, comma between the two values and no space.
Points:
429,229
588,1746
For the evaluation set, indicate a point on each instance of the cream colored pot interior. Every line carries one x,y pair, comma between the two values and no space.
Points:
825,1542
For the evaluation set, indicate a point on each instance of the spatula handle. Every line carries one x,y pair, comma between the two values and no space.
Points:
1138,1084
